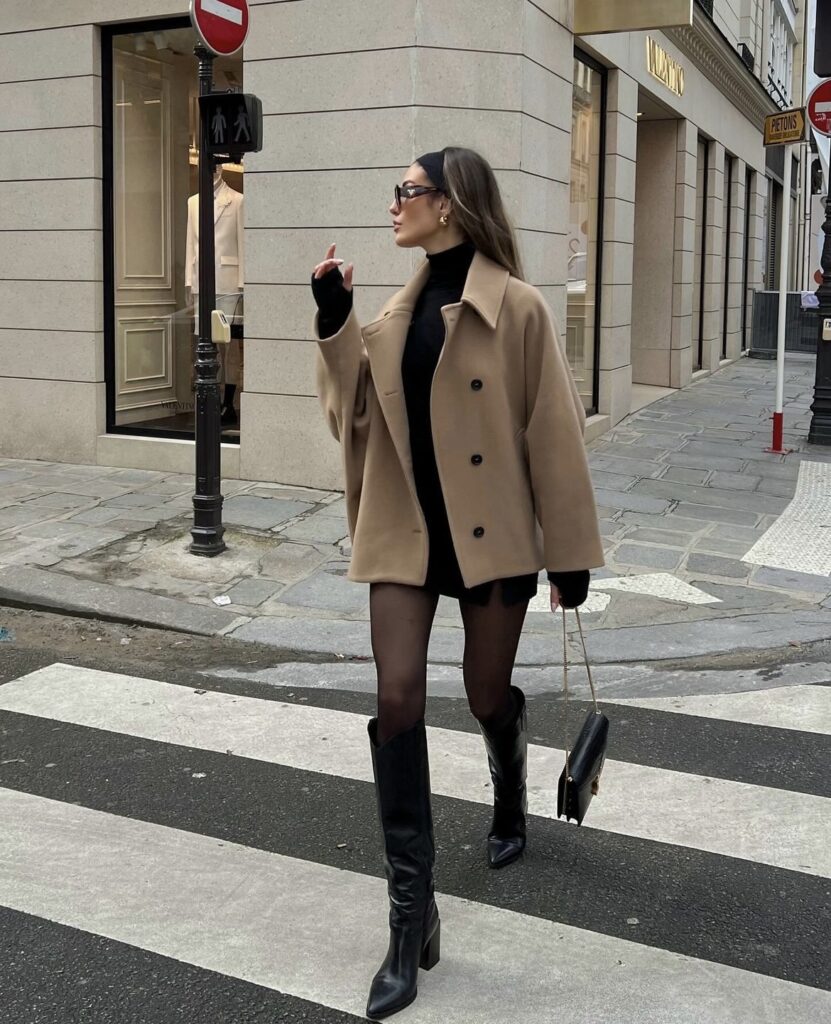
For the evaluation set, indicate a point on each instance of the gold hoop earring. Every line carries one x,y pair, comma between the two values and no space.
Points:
443,220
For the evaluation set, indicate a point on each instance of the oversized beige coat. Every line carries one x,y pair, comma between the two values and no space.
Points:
502,390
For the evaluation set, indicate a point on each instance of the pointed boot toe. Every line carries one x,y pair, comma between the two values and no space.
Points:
503,851
507,749
386,998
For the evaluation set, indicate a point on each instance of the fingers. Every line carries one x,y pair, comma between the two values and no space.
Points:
347,277
555,598
326,266
328,262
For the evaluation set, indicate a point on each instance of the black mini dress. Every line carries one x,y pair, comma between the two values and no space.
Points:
425,341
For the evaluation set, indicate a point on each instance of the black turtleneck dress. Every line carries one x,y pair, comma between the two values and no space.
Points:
425,340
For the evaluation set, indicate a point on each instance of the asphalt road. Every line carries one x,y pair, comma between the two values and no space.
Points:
179,847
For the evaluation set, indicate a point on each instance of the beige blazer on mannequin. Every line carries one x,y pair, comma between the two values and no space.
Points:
229,258
229,243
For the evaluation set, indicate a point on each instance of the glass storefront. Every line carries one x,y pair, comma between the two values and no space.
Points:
585,226
700,252
151,203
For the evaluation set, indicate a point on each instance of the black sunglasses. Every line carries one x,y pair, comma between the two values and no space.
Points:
411,191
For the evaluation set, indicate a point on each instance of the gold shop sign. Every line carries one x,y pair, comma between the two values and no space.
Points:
663,67
595,16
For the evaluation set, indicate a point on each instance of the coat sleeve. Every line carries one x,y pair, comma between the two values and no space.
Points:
556,452
342,382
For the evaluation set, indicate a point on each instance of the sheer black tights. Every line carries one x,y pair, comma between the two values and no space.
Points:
401,618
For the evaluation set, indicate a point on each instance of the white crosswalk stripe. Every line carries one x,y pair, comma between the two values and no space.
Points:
716,815
805,708
255,915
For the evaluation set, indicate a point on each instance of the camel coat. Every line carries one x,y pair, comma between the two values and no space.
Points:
507,428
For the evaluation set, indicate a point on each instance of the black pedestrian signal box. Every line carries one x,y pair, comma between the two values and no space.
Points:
822,40
235,122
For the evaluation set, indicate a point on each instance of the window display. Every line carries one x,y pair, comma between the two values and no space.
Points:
152,324
582,325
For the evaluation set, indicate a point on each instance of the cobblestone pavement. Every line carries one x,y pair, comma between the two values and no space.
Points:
685,492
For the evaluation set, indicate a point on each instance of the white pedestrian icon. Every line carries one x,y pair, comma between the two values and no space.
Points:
241,125
218,125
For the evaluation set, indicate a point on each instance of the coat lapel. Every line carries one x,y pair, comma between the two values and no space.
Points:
385,339
221,202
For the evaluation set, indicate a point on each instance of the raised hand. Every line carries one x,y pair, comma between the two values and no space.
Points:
329,263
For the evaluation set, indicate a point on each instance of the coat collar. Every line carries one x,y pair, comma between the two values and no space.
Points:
484,289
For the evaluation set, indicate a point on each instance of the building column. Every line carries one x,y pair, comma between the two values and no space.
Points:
714,255
683,291
615,389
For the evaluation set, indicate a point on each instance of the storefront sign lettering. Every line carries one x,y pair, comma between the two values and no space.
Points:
663,67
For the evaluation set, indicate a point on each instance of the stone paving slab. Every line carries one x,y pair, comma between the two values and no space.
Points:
708,637
328,592
261,513
37,588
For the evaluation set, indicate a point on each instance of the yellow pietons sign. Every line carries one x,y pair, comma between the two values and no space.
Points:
786,127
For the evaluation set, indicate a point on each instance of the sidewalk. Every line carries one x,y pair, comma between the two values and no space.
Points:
685,494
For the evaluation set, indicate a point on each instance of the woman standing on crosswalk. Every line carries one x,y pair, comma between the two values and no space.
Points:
466,473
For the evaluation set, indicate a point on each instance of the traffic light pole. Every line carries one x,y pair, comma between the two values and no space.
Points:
207,530
820,429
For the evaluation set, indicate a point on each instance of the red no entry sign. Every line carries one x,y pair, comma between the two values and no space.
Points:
221,24
819,107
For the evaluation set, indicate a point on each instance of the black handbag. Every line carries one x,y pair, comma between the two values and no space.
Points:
580,779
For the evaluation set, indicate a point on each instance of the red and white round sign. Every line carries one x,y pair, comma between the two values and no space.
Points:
222,25
819,107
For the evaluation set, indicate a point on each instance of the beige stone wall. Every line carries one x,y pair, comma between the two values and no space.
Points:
683,272
615,383
350,98
51,266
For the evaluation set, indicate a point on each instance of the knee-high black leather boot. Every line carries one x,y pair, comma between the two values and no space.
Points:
402,786
507,747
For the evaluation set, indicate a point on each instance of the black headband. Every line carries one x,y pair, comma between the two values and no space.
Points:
433,164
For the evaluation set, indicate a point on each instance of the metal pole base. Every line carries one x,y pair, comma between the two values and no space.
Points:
820,432
778,430
207,547
207,530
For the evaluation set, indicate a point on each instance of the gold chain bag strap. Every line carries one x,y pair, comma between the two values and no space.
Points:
580,777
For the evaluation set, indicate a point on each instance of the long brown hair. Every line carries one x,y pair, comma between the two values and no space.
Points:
478,207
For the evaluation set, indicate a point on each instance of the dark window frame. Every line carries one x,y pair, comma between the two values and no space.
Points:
749,183
603,71
705,199
108,34
728,227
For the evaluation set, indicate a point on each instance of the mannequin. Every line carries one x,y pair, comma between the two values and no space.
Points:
229,256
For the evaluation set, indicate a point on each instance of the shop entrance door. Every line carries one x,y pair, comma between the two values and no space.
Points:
145,297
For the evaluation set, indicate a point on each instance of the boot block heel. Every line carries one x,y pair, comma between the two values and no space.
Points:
430,951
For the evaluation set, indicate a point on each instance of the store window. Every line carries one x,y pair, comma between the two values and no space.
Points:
151,134
585,227
727,238
702,173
